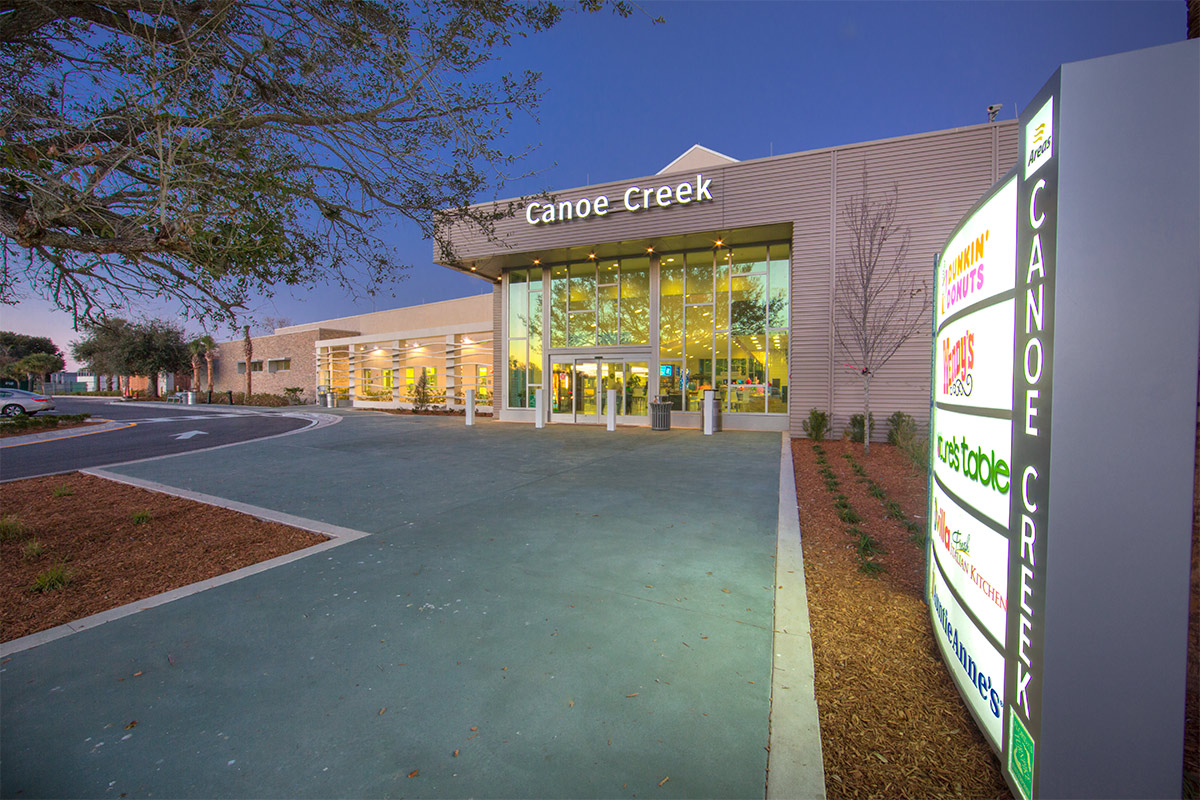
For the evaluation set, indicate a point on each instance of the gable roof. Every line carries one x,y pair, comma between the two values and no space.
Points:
697,157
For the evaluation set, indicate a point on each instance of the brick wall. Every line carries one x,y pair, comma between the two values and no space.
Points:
299,347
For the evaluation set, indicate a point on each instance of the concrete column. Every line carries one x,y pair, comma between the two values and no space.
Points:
451,370
470,407
612,409
539,413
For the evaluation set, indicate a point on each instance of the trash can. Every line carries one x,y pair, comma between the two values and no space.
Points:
660,416
189,398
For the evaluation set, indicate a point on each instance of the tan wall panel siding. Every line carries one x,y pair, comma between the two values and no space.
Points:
938,175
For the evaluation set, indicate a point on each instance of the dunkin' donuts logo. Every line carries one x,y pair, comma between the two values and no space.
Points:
958,359
964,272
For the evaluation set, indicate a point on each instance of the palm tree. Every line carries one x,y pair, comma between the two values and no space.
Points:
210,354
248,348
201,347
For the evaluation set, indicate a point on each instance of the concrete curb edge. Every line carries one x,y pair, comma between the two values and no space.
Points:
338,536
795,766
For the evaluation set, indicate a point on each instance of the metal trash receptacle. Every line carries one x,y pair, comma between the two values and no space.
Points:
189,398
660,416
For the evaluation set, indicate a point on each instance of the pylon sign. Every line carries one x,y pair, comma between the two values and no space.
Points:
1059,540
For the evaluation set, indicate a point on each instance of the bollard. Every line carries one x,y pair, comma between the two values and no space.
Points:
612,409
470,407
539,412
710,411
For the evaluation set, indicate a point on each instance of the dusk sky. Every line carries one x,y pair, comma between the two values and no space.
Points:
624,97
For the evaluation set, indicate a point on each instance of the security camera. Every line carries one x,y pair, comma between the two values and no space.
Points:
993,110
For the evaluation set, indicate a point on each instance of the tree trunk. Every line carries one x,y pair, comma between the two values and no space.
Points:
195,372
209,358
867,414
248,347
153,379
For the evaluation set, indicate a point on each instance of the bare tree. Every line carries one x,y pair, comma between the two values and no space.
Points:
880,302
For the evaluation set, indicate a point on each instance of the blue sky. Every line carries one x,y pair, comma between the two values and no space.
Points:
623,97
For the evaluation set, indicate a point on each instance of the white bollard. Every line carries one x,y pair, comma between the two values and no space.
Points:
539,412
612,409
710,411
470,407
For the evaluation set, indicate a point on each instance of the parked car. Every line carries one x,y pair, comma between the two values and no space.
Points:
14,402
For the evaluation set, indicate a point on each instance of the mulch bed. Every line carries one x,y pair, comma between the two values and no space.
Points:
892,723
112,559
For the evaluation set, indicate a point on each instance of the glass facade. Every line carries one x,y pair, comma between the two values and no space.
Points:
385,371
723,317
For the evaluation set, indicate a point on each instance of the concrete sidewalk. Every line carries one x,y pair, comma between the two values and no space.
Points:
557,613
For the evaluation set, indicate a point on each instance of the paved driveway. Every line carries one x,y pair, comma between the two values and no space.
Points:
563,612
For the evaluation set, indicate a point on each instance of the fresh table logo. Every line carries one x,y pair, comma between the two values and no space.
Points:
958,359
986,470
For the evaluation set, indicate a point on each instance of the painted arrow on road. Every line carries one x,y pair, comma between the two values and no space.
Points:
189,434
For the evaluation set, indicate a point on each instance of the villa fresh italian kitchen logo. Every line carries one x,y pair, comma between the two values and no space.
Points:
1039,140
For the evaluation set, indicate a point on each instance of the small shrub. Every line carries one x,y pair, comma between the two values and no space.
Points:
871,568
56,577
419,394
876,491
865,545
856,427
900,425
11,527
33,548
141,517
817,424
849,516
63,491
292,393
894,510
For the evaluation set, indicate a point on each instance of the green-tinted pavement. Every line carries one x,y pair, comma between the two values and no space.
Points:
576,613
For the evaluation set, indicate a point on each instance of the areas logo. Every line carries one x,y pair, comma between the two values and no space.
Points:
1039,140
958,359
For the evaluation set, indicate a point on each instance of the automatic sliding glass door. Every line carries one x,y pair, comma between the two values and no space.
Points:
579,390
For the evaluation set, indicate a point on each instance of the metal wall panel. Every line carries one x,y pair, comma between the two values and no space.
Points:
938,175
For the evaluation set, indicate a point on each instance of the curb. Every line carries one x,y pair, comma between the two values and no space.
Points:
795,766
337,536
69,433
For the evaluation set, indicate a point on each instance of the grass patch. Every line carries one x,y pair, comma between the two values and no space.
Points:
63,491
56,577
11,527
33,548
141,517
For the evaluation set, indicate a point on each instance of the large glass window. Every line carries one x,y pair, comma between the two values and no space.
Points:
724,325
600,302
524,336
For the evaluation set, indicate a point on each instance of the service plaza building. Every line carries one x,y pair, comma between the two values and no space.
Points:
717,274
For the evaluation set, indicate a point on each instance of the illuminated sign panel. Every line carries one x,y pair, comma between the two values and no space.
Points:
990,439
634,198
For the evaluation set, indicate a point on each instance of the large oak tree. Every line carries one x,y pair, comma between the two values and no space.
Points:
207,150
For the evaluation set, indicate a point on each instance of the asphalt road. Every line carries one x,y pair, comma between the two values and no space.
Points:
156,431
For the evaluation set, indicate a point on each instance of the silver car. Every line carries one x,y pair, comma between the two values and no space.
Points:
14,402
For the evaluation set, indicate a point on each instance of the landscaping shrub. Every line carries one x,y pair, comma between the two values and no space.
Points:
900,425
53,578
856,427
11,527
258,399
817,424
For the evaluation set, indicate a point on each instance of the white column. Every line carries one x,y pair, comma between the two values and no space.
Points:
470,406
710,411
539,413
612,409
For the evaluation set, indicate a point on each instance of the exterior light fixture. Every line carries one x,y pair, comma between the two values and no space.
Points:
720,242
472,268
591,255
537,261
